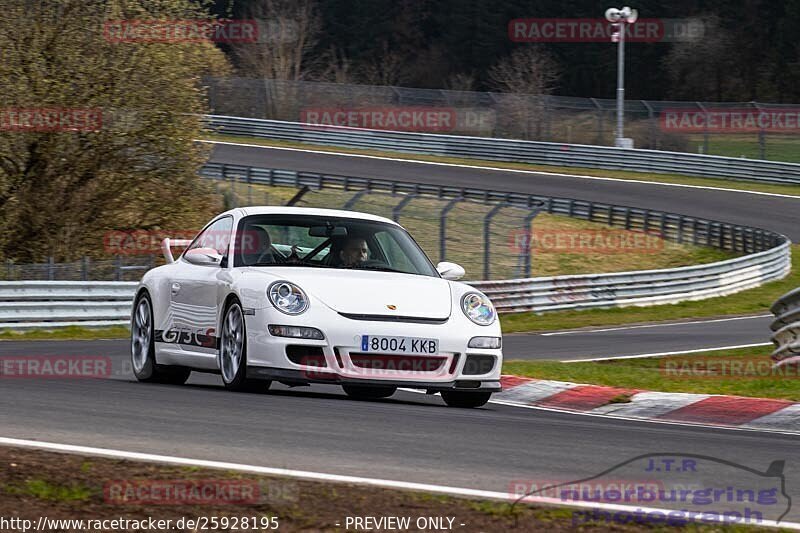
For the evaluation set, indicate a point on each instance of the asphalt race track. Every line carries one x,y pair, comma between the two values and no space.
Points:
637,340
573,344
409,437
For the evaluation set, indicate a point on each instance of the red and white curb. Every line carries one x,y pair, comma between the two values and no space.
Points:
705,409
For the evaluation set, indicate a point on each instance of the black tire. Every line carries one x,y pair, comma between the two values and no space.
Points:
239,381
465,399
368,392
144,364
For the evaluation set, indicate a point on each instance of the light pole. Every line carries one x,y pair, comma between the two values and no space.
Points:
620,17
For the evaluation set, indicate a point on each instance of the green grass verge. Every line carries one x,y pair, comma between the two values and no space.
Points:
618,174
742,372
45,490
777,147
751,301
67,333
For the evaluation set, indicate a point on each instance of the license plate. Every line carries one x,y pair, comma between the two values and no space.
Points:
401,345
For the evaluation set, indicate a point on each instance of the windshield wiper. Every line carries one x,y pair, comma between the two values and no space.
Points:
290,264
380,268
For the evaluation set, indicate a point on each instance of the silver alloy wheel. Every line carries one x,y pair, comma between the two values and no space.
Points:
232,343
141,332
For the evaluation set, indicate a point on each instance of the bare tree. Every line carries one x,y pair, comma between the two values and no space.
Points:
337,67
705,70
528,75
461,81
388,68
136,165
528,70
289,33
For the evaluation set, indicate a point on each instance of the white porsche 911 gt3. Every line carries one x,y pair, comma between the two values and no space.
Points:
303,296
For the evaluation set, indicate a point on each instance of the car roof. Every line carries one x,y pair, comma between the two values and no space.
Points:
311,211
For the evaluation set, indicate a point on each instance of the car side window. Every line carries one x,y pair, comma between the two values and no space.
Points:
395,256
217,236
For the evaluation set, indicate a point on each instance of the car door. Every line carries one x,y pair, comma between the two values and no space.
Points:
194,298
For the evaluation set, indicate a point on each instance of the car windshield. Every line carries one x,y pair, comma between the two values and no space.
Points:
328,242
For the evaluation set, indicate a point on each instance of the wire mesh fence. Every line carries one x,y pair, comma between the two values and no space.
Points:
492,235
86,269
564,119
456,234
496,240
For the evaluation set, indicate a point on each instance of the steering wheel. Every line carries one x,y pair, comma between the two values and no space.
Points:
373,263
272,253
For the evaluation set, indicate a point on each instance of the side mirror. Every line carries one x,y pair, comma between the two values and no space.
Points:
450,271
203,257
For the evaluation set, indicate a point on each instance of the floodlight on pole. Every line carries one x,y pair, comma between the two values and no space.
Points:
619,18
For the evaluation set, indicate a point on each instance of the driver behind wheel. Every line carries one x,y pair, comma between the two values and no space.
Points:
354,251
256,246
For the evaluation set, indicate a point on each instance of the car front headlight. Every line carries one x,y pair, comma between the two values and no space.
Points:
287,297
478,308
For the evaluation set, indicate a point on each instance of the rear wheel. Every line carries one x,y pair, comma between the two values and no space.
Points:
233,353
143,355
368,392
465,399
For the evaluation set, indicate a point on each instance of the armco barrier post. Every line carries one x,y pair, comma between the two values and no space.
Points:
526,247
705,126
249,186
354,199
443,227
487,239
396,210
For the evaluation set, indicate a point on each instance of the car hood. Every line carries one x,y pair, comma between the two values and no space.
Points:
371,293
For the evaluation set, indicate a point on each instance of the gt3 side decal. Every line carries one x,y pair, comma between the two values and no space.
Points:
204,338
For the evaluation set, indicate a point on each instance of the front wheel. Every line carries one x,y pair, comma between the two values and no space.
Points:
233,353
143,355
368,393
465,399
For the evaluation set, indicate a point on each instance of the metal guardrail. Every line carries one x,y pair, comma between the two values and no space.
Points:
117,269
535,117
49,304
639,288
541,153
44,304
786,328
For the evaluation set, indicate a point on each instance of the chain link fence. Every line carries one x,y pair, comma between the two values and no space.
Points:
86,269
564,119
498,235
